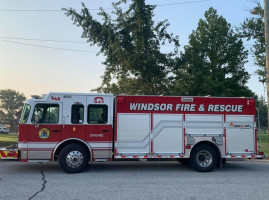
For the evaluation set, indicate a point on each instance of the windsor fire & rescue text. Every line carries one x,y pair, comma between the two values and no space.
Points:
185,107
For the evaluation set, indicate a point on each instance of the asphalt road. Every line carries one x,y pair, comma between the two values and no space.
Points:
134,180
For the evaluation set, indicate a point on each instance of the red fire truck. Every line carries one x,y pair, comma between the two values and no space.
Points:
74,129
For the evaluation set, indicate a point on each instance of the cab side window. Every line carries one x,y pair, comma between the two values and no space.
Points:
47,113
77,114
97,114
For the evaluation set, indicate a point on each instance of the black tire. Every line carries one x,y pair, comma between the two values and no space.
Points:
74,158
204,158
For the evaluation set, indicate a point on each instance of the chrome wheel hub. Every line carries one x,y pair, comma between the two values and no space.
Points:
74,159
204,158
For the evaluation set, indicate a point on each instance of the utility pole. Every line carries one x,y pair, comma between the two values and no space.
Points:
266,25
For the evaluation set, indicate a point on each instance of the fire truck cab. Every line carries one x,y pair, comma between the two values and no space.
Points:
58,121
74,128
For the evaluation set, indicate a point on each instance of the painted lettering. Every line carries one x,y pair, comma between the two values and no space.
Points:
133,106
225,108
157,107
210,108
169,107
240,108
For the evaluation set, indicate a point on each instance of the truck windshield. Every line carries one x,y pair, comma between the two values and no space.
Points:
25,113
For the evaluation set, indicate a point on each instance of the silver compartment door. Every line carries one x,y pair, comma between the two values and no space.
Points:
204,124
240,134
133,134
167,134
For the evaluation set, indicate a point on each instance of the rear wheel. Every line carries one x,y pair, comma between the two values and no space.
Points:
204,158
74,158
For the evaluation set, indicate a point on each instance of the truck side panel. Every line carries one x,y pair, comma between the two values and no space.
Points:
167,134
240,134
177,124
133,134
204,124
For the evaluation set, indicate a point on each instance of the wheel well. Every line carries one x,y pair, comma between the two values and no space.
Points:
61,146
209,144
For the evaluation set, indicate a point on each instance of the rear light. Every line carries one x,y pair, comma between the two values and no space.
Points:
251,102
188,147
261,153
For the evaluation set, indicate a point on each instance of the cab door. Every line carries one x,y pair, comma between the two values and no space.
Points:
46,133
74,117
99,134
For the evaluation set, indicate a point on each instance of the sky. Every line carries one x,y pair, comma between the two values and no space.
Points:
74,66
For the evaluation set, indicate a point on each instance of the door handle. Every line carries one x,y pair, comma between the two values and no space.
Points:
105,131
56,131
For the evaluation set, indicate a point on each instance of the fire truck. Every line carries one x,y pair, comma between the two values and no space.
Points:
75,129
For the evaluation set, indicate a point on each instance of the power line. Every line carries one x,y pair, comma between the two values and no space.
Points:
48,47
72,41
27,10
51,40
39,10
43,40
95,9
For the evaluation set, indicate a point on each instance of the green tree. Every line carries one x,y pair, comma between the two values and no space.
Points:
213,62
11,103
262,108
130,41
253,28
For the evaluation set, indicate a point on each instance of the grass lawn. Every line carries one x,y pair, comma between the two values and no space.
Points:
264,144
8,139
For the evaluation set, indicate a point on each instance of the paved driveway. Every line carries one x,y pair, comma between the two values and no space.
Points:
134,180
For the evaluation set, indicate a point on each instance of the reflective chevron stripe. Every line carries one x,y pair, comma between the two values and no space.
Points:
8,154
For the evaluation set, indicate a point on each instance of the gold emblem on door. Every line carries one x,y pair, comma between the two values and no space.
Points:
44,133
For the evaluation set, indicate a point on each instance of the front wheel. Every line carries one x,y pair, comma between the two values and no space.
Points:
74,158
204,158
